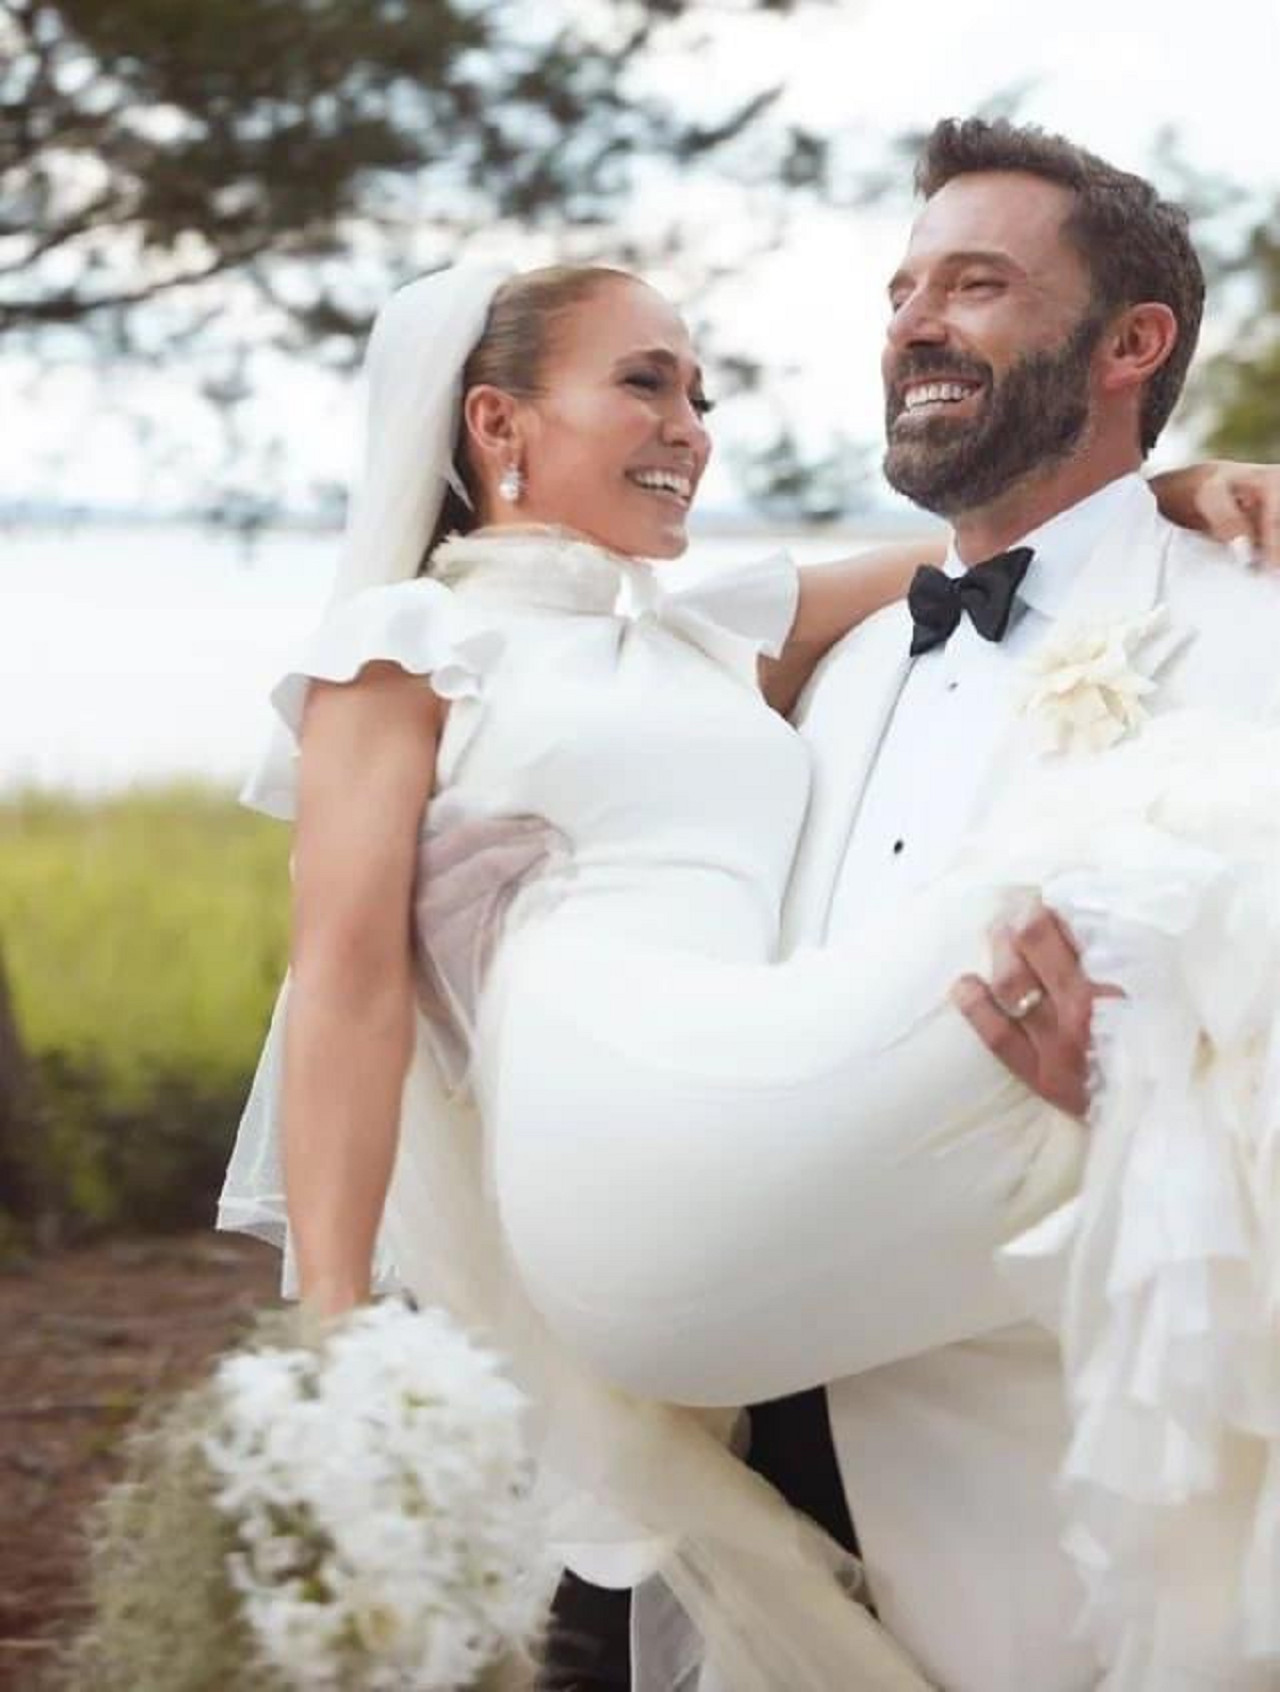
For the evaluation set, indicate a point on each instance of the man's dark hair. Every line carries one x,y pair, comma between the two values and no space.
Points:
1135,245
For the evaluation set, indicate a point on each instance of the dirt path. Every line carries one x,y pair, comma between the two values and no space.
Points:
85,1337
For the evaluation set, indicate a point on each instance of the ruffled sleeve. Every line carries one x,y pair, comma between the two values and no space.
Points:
418,625
734,613
757,600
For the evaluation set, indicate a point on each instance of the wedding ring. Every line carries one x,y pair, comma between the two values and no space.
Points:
1023,1005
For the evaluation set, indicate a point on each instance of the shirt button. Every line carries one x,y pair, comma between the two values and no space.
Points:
952,686
897,846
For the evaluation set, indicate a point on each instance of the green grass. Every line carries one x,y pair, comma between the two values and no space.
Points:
144,938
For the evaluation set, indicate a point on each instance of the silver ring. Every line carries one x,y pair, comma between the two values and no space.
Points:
1023,1006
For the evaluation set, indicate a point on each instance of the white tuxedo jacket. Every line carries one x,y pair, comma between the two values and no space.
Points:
950,1455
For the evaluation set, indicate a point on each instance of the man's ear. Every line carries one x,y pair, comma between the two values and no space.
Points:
1136,343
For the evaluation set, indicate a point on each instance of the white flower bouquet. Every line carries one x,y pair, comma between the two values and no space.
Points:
348,1510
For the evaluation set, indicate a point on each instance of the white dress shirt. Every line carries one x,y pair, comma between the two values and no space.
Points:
946,1475
928,779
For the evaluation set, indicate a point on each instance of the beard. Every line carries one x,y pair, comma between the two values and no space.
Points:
1034,416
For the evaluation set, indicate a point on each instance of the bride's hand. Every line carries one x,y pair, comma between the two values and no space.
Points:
1228,501
1036,1012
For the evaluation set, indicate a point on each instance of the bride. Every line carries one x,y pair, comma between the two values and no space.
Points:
436,1076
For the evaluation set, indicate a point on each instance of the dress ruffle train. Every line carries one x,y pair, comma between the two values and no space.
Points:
1164,856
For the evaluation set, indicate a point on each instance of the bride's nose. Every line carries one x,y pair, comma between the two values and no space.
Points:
684,426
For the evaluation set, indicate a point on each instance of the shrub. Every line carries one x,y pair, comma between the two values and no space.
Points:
145,938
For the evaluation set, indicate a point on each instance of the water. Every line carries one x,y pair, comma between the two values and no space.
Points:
135,655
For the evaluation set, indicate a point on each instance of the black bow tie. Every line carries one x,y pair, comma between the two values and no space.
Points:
986,592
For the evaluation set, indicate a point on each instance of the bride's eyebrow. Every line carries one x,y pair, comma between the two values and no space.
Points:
659,355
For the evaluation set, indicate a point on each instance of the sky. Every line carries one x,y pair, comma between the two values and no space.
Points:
1111,73
1108,73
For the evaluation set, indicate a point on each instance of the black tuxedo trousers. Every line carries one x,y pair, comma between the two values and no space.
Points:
588,1642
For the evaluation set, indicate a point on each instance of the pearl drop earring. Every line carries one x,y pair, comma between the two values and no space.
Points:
511,485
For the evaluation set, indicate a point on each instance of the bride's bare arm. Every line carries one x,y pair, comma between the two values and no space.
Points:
367,764
1226,500
835,598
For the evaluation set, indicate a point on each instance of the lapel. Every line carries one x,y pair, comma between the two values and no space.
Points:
1123,577
848,704
842,717
1124,574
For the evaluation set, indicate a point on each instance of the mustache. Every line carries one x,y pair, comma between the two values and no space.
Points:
919,363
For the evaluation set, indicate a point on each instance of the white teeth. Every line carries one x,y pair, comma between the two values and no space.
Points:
665,481
933,393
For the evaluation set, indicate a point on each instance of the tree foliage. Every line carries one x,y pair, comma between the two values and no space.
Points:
1232,401
209,186
310,147
1240,388
787,481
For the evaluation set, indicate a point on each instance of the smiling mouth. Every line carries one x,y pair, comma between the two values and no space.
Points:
669,484
932,398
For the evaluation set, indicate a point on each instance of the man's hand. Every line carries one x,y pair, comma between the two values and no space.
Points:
1036,1013
1036,968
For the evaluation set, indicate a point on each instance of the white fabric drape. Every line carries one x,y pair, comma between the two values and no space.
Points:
413,376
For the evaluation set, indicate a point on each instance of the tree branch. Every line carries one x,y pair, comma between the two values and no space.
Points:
72,308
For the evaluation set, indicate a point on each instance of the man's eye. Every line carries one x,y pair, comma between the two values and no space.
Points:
644,379
702,405
974,284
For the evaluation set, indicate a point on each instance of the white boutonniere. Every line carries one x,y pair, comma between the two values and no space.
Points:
1088,684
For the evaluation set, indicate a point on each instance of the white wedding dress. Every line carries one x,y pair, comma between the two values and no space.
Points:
717,1176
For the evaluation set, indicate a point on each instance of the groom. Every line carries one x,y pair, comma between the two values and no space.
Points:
1042,322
